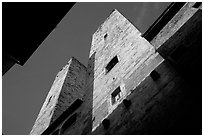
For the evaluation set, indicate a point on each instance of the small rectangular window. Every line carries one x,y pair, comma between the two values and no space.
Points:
116,95
111,64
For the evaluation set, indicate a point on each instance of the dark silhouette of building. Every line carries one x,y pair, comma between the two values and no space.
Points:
25,26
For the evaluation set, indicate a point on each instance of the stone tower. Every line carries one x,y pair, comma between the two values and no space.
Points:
120,52
68,86
131,85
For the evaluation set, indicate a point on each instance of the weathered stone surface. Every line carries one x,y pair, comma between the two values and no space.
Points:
123,40
69,85
159,106
145,99
186,12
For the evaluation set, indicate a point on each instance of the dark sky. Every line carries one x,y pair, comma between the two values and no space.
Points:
24,88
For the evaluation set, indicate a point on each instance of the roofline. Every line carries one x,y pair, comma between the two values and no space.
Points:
162,20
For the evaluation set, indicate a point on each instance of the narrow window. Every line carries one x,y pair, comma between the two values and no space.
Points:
70,121
49,100
111,64
105,36
116,95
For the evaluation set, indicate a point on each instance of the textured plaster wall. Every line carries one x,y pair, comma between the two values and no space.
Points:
69,85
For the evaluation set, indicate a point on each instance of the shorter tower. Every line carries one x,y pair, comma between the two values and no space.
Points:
68,87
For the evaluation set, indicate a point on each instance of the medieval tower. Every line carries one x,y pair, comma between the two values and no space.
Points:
134,83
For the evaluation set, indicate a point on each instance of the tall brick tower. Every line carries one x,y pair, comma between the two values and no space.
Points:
68,86
120,52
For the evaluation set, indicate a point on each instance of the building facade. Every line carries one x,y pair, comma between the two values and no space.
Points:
134,83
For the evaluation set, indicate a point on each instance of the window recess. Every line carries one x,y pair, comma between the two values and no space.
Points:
111,64
116,95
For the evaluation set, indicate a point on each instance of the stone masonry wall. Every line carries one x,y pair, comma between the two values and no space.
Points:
186,12
118,37
83,123
168,105
73,87
157,106
154,105
69,85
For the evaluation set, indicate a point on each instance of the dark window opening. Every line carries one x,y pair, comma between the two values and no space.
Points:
106,123
197,4
116,95
70,121
111,64
154,75
105,36
126,103
49,100
93,119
